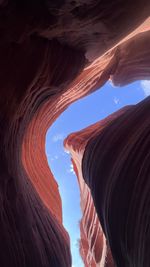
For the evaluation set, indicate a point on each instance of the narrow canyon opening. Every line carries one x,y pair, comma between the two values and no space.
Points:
79,115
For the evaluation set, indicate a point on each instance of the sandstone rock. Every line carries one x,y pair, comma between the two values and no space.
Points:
94,247
115,166
46,62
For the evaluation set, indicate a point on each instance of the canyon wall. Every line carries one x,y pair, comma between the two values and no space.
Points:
51,55
94,247
115,166
111,160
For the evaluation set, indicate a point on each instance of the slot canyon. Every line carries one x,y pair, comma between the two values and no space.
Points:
52,54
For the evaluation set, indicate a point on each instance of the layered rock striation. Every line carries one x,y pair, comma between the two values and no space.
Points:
111,159
94,247
51,55
115,166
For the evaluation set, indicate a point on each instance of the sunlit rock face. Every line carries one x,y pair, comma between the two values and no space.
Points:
94,247
47,61
112,158
92,244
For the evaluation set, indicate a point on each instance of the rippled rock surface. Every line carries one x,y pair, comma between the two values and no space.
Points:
115,166
51,54
94,247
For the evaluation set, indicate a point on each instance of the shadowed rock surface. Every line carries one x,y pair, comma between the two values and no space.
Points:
116,168
94,247
52,54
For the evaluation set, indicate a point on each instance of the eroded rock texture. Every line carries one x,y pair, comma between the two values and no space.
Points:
113,158
116,168
47,61
94,247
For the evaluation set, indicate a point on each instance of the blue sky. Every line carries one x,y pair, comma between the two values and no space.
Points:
79,115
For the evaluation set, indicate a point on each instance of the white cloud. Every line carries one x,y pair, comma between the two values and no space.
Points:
116,100
146,87
52,158
58,137
66,151
71,170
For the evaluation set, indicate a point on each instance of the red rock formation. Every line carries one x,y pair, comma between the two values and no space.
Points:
93,248
46,50
116,168
30,234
